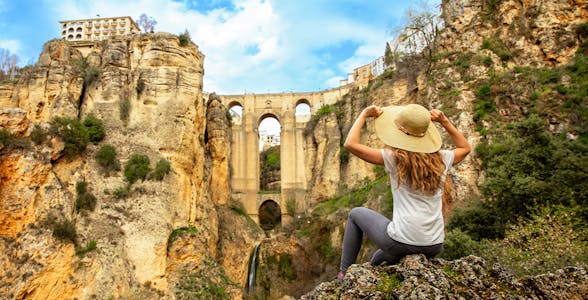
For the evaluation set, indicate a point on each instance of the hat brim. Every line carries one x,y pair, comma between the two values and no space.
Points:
389,134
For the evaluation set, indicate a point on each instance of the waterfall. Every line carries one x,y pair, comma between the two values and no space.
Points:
252,270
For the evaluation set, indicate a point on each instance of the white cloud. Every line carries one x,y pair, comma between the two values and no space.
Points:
13,46
259,45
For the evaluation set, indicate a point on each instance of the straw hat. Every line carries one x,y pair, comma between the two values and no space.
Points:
409,128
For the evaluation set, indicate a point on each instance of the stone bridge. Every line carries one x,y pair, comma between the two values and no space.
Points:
244,164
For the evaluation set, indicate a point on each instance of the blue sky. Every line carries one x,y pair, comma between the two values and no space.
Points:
250,46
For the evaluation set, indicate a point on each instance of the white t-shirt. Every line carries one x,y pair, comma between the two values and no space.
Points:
417,219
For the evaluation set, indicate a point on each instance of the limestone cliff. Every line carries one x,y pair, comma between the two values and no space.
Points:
147,90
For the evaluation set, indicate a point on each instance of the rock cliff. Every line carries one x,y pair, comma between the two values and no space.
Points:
147,90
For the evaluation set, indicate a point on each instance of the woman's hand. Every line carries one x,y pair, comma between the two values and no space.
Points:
438,116
372,111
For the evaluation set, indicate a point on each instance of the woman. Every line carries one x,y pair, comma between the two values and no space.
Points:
417,170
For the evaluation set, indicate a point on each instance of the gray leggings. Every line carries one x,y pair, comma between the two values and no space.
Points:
374,225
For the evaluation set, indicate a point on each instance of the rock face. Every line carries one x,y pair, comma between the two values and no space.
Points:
147,90
414,277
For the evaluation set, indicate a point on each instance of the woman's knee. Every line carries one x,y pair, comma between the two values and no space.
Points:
357,212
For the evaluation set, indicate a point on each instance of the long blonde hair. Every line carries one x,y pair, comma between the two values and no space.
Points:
420,171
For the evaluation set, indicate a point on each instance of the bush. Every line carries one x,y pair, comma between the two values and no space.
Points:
184,38
65,231
161,169
38,135
5,137
137,168
85,200
497,46
478,220
458,244
72,132
122,192
95,129
140,86
526,167
124,109
106,158
547,241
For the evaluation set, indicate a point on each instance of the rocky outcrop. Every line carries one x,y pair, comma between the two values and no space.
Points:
414,277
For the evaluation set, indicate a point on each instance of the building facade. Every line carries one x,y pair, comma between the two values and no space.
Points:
98,28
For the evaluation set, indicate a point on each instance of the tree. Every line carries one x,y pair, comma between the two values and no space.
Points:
388,56
417,34
146,23
8,65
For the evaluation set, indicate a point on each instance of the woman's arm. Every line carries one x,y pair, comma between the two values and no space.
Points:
353,140
462,146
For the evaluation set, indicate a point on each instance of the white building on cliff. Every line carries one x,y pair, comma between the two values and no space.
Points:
98,28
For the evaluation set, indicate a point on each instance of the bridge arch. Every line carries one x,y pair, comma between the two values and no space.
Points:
270,214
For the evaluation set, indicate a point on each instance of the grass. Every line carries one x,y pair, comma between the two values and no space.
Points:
355,198
90,246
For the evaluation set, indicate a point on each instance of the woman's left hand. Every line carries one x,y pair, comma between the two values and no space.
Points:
372,111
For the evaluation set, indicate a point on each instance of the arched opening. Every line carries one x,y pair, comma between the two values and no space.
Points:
269,154
236,113
303,111
269,215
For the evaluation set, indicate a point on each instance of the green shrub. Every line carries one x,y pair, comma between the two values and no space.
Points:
122,192
478,220
137,168
184,38
124,109
344,155
106,158
95,129
285,267
140,86
325,110
5,137
527,167
64,230
161,169
458,244
547,241
84,200
38,135
497,46
74,135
